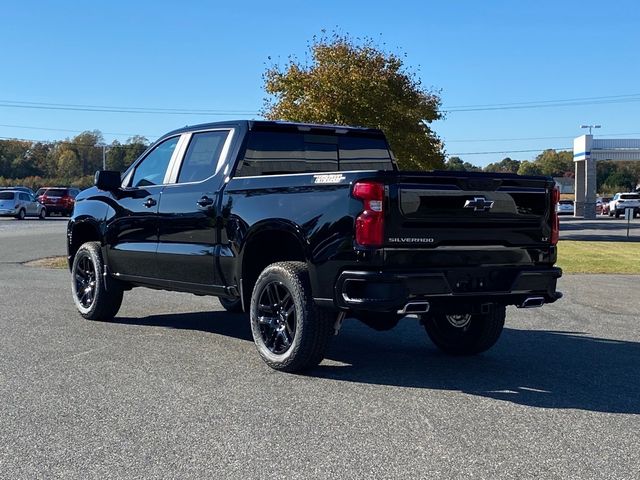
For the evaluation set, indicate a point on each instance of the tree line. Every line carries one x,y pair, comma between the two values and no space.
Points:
611,176
72,161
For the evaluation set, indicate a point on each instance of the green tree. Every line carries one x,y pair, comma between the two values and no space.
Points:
528,168
349,83
555,164
620,181
134,147
115,157
506,165
603,171
88,149
69,165
457,164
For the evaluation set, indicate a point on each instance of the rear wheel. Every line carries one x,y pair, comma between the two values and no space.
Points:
93,299
617,213
466,334
290,331
21,214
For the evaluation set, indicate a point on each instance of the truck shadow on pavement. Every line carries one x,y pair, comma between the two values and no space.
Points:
538,368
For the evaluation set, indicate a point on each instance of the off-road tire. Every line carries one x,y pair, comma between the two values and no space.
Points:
313,326
481,333
93,299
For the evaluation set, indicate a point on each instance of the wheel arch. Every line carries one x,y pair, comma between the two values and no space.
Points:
268,242
79,232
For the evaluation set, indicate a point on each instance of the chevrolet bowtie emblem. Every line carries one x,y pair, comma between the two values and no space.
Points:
479,204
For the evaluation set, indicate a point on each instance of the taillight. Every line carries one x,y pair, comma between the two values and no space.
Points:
555,220
370,223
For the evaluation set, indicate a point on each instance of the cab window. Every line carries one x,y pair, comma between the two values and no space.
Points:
202,156
152,169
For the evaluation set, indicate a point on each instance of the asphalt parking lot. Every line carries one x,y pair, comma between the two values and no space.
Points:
174,389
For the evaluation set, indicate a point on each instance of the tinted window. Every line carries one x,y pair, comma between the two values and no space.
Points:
202,156
24,197
630,196
6,195
153,167
56,192
286,152
271,153
364,153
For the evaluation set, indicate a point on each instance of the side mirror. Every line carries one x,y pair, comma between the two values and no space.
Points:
107,180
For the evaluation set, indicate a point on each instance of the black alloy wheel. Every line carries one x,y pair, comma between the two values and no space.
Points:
84,276
277,317
97,296
290,331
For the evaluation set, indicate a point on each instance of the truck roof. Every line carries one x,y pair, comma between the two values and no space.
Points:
278,125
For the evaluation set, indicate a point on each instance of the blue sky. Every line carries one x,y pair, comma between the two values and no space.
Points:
210,55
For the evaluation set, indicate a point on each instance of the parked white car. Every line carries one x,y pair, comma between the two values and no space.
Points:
565,207
622,201
18,204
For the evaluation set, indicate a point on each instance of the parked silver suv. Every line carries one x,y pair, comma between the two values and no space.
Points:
18,204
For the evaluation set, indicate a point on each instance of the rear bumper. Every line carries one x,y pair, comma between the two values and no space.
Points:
8,212
57,208
450,290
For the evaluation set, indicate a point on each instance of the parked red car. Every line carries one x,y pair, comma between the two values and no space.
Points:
58,199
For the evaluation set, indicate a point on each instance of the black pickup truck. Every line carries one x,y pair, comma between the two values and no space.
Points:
300,225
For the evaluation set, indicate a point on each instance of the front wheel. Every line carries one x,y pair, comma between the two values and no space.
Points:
466,334
617,214
93,299
21,214
290,331
43,214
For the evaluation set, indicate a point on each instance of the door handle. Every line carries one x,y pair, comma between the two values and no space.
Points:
205,202
150,203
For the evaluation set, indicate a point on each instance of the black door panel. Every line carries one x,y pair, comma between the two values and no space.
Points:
133,233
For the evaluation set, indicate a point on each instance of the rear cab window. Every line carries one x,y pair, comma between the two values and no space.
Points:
281,152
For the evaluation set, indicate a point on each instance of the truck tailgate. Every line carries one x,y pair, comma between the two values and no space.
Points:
445,209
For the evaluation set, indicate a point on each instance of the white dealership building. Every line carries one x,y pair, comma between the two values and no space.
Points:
587,151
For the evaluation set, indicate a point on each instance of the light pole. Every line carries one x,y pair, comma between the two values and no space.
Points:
589,127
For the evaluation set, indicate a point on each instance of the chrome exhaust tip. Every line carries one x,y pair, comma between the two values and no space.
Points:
532,302
414,307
